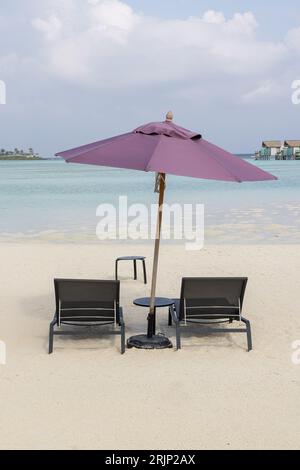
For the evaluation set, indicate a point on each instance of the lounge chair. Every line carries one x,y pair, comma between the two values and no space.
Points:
207,301
86,303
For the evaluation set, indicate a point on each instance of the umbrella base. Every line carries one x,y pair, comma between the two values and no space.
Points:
143,342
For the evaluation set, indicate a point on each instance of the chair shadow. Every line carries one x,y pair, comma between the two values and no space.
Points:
191,337
104,334
45,312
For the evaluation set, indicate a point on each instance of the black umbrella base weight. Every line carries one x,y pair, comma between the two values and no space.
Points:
149,340
144,342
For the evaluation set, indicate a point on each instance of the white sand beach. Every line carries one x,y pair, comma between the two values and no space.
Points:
212,394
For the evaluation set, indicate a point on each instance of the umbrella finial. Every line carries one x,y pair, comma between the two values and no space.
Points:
169,116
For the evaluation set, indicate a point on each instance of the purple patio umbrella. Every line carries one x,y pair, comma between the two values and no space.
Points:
165,148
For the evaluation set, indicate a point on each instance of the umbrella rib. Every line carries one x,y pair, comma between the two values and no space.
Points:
212,156
216,158
147,168
226,169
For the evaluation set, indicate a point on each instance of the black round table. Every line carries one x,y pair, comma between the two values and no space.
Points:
159,302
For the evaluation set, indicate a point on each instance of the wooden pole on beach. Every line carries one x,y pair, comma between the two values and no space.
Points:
161,182
151,340
151,317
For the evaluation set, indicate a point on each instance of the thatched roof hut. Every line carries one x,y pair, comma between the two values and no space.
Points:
272,144
292,143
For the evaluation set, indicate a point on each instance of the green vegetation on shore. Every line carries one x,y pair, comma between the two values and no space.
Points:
19,154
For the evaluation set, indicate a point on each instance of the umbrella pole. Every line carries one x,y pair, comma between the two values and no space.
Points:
151,340
151,317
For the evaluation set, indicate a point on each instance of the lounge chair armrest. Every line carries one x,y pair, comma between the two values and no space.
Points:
54,321
174,309
177,306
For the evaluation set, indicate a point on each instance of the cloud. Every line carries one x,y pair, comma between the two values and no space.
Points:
111,14
262,92
51,27
243,24
293,40
214,17
240,23
108,44
9,63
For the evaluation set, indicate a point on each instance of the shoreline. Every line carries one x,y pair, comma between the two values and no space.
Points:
20,159
222,234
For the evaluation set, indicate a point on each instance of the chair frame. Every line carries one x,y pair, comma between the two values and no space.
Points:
174,312
118,320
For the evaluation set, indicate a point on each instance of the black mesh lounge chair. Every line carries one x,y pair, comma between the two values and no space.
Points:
207,301
86,303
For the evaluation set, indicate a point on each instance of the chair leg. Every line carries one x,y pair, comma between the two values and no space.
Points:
170,317
145,272
51,337
178,338
135,270
122,338
249,335
116,270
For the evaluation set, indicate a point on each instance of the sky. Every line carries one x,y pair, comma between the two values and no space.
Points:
77,71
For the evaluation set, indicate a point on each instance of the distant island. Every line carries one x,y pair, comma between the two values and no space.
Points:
19,154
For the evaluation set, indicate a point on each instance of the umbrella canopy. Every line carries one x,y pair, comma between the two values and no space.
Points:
165,148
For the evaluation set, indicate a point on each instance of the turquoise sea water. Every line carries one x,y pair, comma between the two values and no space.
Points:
54,201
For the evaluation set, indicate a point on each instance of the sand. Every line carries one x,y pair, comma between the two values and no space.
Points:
212,394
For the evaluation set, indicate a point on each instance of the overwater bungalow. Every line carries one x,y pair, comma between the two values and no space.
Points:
292,149
275,150
270,150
